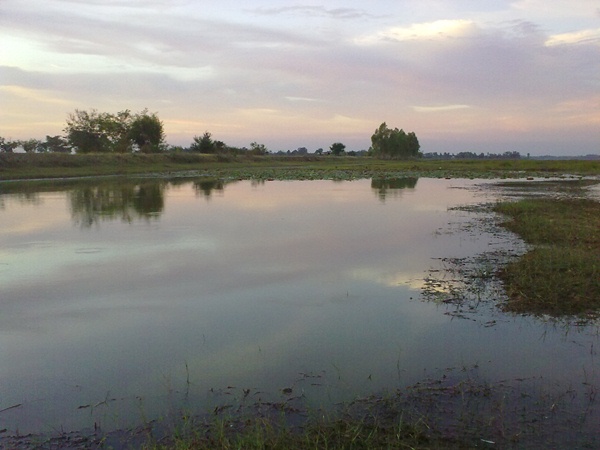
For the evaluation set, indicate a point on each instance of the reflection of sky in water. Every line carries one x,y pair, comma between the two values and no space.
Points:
249,287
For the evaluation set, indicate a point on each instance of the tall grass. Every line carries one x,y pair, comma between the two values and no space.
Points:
561,274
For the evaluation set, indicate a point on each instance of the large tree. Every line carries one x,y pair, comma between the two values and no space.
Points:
203,144
337,148
94,132
122,132
388,143
146,131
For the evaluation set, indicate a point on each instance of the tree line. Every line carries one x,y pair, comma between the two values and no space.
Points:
125,132
472,155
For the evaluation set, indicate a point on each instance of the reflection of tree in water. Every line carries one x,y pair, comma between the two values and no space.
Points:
207,186
24,198
92,204
392,186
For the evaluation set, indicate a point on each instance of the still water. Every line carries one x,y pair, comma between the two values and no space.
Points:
116,296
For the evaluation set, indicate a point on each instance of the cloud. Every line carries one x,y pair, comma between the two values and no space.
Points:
313,11
35,95
303,99
563,9
326,72
575,37
439,108
438,29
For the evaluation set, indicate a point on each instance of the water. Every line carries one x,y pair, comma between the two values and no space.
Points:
122,299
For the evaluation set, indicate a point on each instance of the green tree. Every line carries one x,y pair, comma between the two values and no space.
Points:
92,131
388,143
258,149
146,131
203,144
413,144
55,144
337,148
7,146
31,145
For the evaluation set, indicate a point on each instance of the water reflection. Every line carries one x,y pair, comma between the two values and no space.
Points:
92,204
265,281
392,186
206,187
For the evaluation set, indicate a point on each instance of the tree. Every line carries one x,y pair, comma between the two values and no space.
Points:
91,132
203,144
146,131
388,143
55,144
7,146
337,148
31,145
258,149
413,144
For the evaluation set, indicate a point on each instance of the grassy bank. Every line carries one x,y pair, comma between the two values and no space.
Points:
257,433
53,165
561,274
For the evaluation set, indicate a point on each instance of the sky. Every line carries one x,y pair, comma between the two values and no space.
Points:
464,75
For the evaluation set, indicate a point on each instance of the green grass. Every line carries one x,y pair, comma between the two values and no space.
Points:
259,433
54,165
561,274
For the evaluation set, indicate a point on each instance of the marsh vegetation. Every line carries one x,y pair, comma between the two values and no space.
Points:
56,165
560,275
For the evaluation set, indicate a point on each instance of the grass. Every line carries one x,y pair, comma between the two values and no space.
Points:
258,433
456,409
54,165
561,275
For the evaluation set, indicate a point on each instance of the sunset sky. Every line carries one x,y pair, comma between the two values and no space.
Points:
464,75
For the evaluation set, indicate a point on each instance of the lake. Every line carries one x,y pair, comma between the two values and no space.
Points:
121,299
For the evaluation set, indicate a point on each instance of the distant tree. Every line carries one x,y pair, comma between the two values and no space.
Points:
55,144
319,151
413,145
258,149
203,144
7,146
388,143
337,148
511,155
92,131
220,146
31,145
146,131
